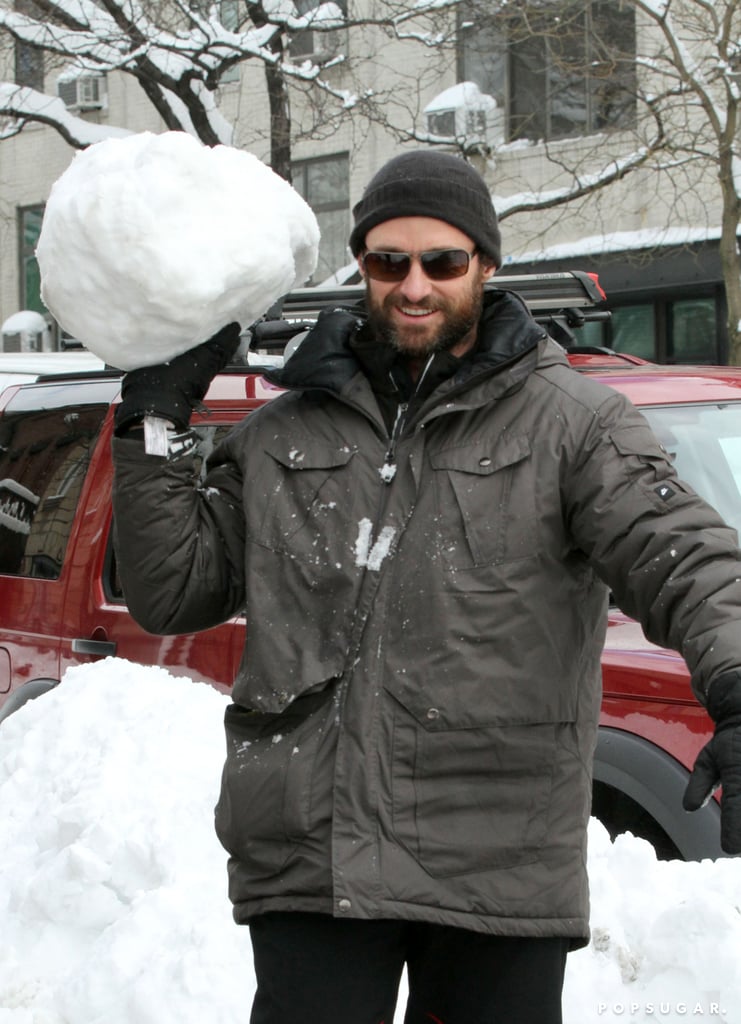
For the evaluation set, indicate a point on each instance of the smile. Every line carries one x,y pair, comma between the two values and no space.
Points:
415,311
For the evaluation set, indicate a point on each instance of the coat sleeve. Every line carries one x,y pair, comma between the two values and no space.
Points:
179,543
669,559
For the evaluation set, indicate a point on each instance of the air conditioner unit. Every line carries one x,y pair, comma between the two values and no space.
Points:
474,125
85,92
464,113
454,123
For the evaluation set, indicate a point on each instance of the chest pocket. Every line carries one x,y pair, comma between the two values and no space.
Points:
485,496
307,491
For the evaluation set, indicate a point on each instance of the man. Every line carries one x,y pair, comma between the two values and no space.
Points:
423,531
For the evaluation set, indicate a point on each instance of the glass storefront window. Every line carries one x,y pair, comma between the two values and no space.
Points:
633,330
693,331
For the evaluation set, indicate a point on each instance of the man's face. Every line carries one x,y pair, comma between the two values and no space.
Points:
419,315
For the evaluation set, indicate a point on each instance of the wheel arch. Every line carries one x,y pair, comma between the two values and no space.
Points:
656,781
29,691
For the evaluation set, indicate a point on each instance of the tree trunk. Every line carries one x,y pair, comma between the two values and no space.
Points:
280,122
730,259
280,104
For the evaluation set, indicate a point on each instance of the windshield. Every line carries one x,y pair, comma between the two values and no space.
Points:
705,444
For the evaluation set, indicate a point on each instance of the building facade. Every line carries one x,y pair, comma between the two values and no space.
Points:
534,108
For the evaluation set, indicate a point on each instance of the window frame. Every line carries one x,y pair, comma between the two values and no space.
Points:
469,66
303,44
662,310
339,203
52,468
27,258
32,75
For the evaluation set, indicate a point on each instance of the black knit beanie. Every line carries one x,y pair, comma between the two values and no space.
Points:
427,183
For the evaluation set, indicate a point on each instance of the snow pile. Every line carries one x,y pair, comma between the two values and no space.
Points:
666,938
112,882
151,243
113,886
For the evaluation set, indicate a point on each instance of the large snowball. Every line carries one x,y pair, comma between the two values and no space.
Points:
151,243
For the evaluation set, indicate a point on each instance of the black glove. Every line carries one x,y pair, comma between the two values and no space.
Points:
719,761
172,390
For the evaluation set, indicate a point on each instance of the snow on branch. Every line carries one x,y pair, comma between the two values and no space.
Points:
120,43
581,185
21,104
105,44
696,24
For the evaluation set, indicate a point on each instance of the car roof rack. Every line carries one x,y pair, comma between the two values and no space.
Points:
561,302
573,288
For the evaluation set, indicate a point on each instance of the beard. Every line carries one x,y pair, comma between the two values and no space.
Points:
461,317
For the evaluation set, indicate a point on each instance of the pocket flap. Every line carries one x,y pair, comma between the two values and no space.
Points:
306,453
482,457
438,709
638,440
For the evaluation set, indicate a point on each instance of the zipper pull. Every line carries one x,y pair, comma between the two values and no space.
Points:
388,469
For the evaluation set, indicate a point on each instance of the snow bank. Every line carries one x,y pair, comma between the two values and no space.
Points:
113,886
151,243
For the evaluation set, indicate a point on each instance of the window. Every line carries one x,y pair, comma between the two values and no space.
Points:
232,14
562,69
29,229
44,455
325,185
29,61
693,331
29,67
667,330
704,442
632,330
307,43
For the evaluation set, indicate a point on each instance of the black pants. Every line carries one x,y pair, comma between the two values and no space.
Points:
315,969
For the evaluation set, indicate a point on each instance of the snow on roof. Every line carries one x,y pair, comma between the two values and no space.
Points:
616,241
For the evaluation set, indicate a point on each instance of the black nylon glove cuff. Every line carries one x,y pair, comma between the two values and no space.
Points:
719,761
172,390
724,699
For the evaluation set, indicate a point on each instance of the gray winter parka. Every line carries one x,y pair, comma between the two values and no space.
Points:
415,713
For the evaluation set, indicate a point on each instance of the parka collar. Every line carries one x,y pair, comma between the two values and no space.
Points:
326,360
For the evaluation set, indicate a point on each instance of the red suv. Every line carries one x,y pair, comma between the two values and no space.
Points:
61,603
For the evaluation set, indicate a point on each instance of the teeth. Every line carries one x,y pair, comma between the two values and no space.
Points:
415,312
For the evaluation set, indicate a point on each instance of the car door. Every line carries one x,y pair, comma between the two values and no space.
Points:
48,436
98,623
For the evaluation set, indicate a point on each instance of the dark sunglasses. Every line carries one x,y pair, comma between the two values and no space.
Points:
438,264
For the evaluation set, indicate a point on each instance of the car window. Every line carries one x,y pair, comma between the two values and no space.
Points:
44,455
705,443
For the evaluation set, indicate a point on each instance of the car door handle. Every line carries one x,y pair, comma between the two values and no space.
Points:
101,648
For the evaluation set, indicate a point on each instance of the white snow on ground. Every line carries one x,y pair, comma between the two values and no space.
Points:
113,886
151,243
